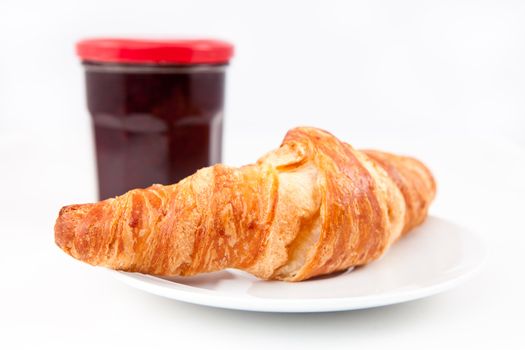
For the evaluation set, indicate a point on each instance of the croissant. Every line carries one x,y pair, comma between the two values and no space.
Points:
311,207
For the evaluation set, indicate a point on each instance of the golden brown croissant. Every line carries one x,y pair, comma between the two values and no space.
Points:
311,207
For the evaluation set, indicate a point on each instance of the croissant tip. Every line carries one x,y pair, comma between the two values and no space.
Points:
66,225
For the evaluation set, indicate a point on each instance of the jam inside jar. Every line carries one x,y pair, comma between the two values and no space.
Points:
153,123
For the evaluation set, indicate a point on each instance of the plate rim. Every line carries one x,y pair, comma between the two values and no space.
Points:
159,286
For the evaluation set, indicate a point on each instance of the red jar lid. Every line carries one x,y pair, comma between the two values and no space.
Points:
151,51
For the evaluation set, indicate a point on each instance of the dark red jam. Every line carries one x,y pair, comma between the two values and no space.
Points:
153,123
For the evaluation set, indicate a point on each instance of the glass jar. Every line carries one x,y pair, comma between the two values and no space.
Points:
156,108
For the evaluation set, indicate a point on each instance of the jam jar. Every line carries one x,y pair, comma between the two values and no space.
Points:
156,108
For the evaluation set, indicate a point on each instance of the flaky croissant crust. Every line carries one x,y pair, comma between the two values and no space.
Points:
311,207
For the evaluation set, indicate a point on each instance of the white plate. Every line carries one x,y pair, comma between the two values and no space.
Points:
435,257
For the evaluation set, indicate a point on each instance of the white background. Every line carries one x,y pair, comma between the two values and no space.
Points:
443,80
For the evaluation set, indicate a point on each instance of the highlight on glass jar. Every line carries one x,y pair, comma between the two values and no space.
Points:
156,108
